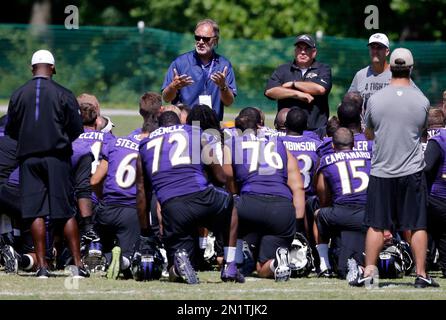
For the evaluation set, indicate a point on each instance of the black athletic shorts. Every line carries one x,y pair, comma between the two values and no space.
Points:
210,208
332,221
398,201
115,222
273,218
46,188
10,200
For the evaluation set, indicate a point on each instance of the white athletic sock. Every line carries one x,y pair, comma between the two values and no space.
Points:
322,249
203,242
229,254
125,263
239,252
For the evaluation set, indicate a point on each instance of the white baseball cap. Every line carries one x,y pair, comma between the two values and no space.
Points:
401,57
379,38
43,56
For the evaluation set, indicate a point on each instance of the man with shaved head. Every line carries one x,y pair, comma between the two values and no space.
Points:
349,115
342,181
279,121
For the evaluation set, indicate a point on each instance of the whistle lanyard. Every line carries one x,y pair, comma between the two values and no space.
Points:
208,75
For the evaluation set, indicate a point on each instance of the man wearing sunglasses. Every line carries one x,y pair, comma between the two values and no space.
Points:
304,83
201,76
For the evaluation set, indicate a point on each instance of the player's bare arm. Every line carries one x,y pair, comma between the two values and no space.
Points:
296,185
97,179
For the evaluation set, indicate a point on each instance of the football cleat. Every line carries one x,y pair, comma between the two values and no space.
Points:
327,273
424,282
43,273
10,259
78,272
183,268
354,273
115,264
282,272
230,273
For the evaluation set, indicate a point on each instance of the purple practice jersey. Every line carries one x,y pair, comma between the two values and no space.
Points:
171,159
303,148
14,177
439,186
361,144
92,141
347,176
260,165
119,184
135,134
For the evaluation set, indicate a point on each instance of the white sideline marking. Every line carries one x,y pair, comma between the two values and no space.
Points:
231,291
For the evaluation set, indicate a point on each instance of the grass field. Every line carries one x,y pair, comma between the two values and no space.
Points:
25,286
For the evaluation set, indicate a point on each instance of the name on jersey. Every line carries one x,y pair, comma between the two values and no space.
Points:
341,156
361,146
125,143
300,146
93,135
166,130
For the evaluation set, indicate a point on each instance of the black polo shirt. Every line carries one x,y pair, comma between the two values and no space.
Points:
320,73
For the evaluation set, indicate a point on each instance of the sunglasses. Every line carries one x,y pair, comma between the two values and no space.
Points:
205,39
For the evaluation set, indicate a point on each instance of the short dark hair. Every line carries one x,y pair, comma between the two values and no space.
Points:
349,113
88,113
296,120
332,125
248,118
400,72
435,117
343,139
168,118
150,104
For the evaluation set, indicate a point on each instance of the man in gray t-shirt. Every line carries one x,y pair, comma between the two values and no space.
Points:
397,192
397,114
377,75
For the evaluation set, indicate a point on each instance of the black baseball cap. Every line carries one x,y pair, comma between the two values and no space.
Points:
305,38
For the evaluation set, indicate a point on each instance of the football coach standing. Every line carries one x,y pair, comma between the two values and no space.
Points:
201,76
397,193
304,83
44,118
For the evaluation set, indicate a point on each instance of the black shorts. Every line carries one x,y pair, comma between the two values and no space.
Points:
332,221
400,202
10,200
46,188
182,216
120,223
272,218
